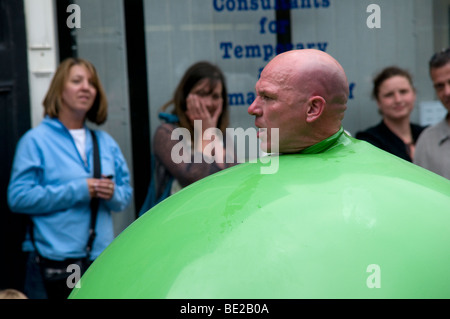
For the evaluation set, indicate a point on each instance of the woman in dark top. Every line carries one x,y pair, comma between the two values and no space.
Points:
395,95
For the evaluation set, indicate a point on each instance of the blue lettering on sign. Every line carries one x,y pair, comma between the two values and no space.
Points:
274,26
254,5
264,51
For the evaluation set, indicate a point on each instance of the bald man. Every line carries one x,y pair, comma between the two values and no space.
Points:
303,93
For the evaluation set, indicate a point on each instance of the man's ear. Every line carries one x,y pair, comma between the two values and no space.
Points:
316,105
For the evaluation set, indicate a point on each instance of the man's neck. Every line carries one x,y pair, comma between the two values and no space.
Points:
325,144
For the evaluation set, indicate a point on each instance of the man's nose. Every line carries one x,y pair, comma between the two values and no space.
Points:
254,108
447,89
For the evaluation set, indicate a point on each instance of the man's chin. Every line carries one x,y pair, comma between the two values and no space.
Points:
266,140
265,146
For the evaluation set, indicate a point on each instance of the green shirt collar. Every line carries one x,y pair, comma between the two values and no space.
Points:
324,145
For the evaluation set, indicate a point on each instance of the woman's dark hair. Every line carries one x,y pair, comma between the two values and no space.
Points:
388,73
193,75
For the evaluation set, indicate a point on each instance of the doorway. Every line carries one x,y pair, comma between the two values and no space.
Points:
14,122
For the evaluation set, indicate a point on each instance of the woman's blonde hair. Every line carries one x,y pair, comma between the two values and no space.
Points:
53,101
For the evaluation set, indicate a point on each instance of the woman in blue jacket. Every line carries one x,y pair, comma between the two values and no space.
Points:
52,176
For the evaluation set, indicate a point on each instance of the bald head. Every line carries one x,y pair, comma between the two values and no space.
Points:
304,94
314,74
312,71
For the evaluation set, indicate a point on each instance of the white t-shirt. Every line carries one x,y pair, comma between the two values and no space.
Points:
79,135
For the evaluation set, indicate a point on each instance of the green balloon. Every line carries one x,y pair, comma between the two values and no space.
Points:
351,222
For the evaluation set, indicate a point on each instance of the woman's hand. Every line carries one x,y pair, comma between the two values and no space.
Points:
101,188
199,108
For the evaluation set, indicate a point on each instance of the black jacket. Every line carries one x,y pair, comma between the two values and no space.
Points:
382,137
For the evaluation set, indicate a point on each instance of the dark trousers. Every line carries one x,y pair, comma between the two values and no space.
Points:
38,288
34,284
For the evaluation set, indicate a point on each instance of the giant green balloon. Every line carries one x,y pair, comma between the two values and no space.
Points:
353,222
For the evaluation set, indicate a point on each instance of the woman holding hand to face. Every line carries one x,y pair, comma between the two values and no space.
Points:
200,107
395,95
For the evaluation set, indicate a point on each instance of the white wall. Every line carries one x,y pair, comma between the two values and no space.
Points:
42,52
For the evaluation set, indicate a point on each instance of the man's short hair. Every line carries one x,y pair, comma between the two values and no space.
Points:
439,59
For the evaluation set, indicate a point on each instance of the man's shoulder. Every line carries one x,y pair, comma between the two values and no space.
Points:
434,129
